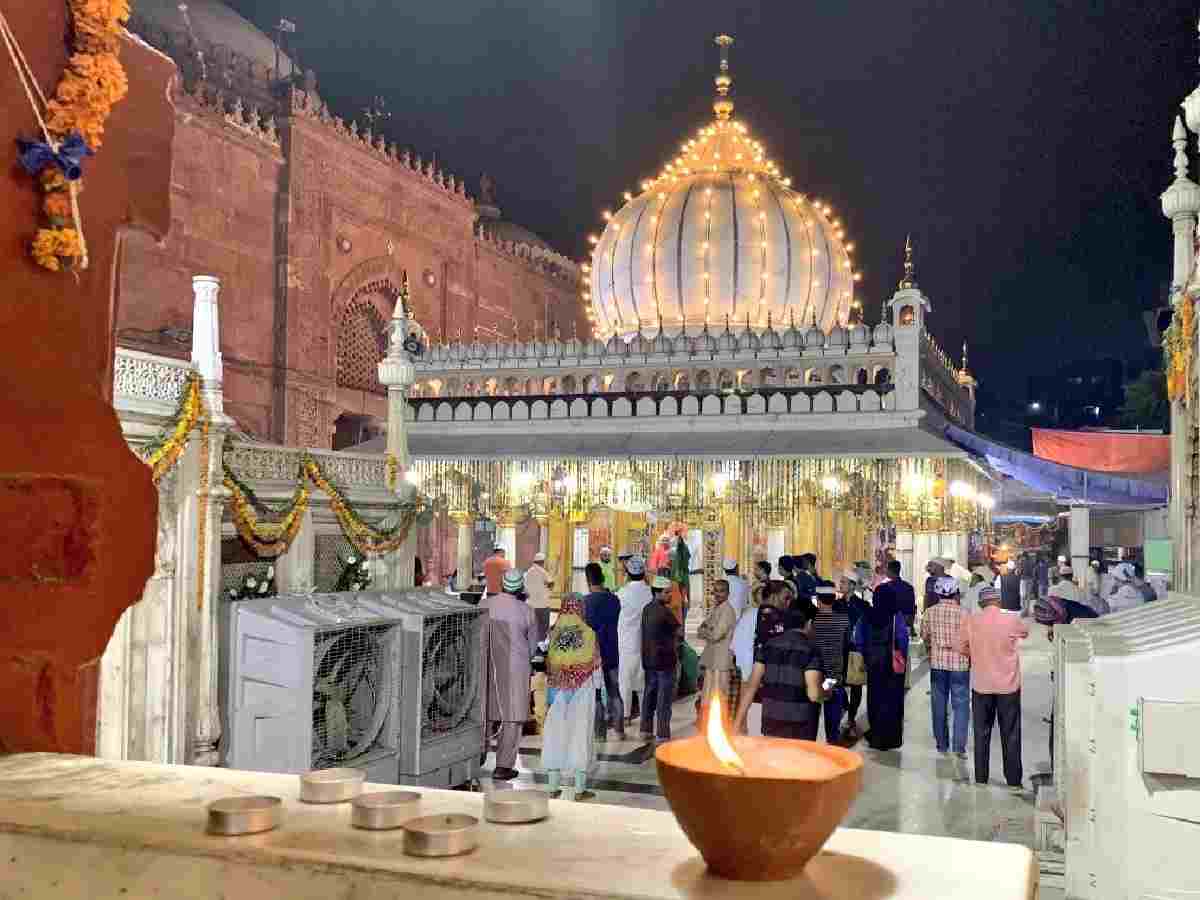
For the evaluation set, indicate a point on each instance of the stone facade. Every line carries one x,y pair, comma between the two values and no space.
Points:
310,223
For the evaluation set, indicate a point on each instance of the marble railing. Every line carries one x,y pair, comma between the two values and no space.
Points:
143,377
758,401
259,462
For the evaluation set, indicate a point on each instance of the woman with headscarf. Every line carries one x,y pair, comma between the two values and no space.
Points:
573,675
885,648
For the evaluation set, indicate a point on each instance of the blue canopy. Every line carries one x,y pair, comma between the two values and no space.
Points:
1065,483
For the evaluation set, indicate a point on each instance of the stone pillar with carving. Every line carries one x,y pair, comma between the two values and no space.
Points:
711,555
543,532
200,530
1181,204
464,550
396,372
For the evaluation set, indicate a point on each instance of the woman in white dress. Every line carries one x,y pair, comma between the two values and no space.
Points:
573,676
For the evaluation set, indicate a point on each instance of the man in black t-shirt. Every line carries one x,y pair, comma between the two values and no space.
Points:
602,610
789,670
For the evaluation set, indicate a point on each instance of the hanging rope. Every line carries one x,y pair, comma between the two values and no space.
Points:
37,102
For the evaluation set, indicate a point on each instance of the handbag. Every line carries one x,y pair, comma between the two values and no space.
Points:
899,657
856,669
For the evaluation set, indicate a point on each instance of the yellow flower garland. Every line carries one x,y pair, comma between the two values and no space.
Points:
163,456
1178,342
393,470
267,538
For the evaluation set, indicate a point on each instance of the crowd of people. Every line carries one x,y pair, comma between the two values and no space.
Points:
787,652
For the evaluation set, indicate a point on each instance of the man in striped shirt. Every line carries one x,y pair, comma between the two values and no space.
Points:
949,669
831,635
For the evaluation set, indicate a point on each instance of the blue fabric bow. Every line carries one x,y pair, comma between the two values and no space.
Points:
36,156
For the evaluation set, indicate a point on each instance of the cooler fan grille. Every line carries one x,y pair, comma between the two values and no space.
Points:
449,672
351,693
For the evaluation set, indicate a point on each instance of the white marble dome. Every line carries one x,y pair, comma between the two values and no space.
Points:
720,235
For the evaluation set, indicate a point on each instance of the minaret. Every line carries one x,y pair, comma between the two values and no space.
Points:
965,378
1181,204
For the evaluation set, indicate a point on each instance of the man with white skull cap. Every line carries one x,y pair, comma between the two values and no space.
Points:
739,590
635,596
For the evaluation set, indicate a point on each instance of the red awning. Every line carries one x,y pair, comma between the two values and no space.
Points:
1104,451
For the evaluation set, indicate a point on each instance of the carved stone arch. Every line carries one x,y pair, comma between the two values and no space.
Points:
360,309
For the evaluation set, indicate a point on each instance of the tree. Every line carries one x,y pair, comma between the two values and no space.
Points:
1146,404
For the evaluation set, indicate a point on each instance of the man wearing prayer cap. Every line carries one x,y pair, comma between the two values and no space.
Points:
508,640
990,639
949,668
538,583
934,569
635,596
606,566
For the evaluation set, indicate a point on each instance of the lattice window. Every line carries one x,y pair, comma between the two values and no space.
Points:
361,344
331,551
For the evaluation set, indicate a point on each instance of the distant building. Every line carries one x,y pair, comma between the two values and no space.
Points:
1082,393
310,222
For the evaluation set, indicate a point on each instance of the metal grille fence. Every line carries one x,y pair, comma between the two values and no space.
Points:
331,550
450,676
352,690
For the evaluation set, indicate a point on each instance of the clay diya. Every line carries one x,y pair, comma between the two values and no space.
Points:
757,808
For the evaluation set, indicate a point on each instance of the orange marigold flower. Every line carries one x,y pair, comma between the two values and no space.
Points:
57,205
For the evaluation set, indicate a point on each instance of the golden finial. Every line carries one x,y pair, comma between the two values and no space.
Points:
909,281
723,106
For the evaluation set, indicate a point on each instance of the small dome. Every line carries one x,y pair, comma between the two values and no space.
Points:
814,338
750,341
595,347
883,333
838,336
662,344
727,342
616,347
860,335
212,23
793,338
771,341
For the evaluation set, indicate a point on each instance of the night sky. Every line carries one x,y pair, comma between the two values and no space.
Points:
1024,143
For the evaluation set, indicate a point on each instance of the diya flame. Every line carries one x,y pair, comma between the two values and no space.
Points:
718,740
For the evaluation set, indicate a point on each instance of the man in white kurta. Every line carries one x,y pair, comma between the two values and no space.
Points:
635,596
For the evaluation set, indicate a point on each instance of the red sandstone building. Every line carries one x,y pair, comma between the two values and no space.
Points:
309,221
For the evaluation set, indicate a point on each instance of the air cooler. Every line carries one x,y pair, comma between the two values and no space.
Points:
311,682
1127,761
440,731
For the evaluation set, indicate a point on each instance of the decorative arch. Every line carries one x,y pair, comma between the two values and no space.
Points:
362,340
360,308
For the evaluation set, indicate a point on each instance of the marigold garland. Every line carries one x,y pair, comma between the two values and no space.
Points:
266,538
393,470
1178,342
164,451
92,83
365,538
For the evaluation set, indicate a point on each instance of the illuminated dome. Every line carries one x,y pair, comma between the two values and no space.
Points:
720,236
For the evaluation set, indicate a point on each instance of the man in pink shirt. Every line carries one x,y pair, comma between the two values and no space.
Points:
989,638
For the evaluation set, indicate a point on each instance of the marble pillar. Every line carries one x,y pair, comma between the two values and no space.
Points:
295,570
142,690
776,545
543,534
580,556
200,585
905,555
506,536
695,542
1079,539
962,549
397,373
464,550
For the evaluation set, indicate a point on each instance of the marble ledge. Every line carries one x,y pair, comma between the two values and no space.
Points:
83,827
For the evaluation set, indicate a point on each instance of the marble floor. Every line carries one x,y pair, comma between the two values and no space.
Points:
913,790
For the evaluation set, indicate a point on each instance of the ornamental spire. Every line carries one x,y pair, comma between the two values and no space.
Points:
723,106
1179,141
909,280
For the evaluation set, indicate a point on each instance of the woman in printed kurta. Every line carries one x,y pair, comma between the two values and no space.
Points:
572,677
